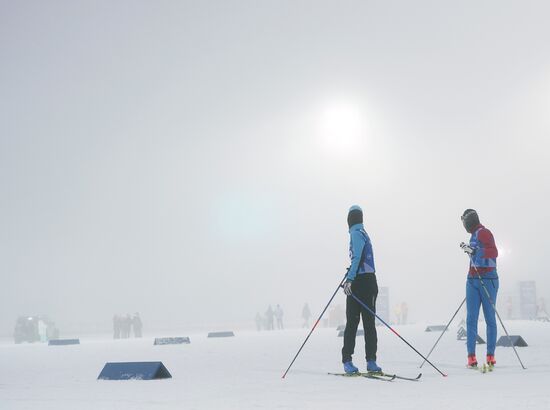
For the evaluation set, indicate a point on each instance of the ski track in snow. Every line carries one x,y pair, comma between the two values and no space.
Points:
244,372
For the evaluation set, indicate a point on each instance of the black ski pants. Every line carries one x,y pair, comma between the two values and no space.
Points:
365,288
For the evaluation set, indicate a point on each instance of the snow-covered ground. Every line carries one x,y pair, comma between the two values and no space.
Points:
244,372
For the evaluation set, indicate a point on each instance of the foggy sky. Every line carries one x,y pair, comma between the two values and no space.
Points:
165,157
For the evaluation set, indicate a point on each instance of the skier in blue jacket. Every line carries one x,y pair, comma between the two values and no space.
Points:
483,254
361,281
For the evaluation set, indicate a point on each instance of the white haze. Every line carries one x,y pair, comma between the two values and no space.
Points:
174,158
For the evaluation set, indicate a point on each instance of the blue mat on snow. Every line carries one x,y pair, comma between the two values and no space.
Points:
134,371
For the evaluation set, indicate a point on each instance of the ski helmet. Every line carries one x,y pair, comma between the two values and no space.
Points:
470,220
355,215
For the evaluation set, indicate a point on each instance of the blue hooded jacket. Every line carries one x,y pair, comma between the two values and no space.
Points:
360,252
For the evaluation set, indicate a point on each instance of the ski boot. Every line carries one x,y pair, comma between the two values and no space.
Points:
350,368
372,367
491,361
472,361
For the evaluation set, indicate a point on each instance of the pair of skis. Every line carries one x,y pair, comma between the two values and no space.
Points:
484,368
378,376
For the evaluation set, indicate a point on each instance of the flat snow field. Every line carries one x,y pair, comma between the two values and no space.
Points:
244,372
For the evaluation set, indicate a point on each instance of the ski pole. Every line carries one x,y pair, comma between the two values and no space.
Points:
397,334
442,333
496,311
315,324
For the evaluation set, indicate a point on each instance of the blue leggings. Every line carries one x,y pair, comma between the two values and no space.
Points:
476,297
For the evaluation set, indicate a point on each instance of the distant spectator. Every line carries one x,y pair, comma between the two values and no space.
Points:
269,318
541,308
404,313
397,312
279,316
306,315
509,307
137,325
259,321
116,326
126,325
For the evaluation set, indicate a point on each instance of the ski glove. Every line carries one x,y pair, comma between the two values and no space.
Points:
347,288
467,248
